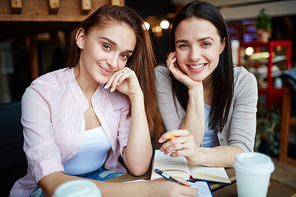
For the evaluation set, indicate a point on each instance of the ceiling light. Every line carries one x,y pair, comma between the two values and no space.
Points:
147,25
164,24
249,51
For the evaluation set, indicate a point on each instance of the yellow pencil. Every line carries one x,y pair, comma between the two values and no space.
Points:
170,137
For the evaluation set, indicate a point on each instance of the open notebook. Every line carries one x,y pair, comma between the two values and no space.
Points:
180,167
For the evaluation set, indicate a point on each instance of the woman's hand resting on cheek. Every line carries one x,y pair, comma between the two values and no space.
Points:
178,73
124,81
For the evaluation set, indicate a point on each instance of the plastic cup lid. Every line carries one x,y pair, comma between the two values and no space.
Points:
77,188
253,163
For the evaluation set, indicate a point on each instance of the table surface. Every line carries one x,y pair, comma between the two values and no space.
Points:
219,189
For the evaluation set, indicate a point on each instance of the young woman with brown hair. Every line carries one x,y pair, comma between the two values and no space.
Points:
79,120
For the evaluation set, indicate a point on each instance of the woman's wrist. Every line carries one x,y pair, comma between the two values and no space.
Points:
200,157
136,96
196,89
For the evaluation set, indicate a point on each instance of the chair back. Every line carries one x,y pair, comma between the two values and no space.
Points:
13,163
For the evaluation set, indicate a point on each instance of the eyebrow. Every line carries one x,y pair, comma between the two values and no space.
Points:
199,40
114,43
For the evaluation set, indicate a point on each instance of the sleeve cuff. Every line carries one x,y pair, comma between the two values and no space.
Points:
46,167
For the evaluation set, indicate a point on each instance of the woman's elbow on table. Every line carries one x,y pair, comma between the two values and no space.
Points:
136,166
138,170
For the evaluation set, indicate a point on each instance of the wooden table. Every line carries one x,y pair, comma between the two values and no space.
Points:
218,189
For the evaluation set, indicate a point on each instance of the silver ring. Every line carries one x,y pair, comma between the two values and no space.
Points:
122,72
182,146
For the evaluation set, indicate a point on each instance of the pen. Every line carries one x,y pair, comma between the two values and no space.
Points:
166,176
170,137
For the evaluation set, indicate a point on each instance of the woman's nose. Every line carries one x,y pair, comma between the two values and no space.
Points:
112,61
195,54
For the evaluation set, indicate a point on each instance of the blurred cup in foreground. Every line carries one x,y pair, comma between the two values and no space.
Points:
252,171
78,188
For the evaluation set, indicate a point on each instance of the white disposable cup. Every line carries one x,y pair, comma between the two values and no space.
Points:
252,174
78,188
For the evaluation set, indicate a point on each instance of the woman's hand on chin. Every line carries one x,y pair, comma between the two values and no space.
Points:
125,81
178,73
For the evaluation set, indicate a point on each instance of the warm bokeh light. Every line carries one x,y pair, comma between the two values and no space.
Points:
156,29
259,56
164,24
249,51
147,25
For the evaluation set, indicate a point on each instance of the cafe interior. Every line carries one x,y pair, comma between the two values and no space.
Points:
35,39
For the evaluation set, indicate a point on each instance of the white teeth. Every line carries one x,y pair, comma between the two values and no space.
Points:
194,67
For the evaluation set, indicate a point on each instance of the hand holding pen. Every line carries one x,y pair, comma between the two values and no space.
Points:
166,176
180,143
187,184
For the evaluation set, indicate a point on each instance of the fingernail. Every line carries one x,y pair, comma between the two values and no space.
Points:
112,89
105,86
117,84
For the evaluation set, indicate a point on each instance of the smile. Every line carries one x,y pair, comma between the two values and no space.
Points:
197,67
106,71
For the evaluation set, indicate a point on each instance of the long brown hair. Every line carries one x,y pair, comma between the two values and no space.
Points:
223,82
142,62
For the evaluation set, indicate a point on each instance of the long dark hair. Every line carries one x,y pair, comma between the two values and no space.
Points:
142,62
222,84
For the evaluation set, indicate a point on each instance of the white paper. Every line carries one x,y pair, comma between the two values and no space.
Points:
203,189
163,161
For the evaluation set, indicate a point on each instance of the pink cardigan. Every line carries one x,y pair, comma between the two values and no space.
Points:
53,110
